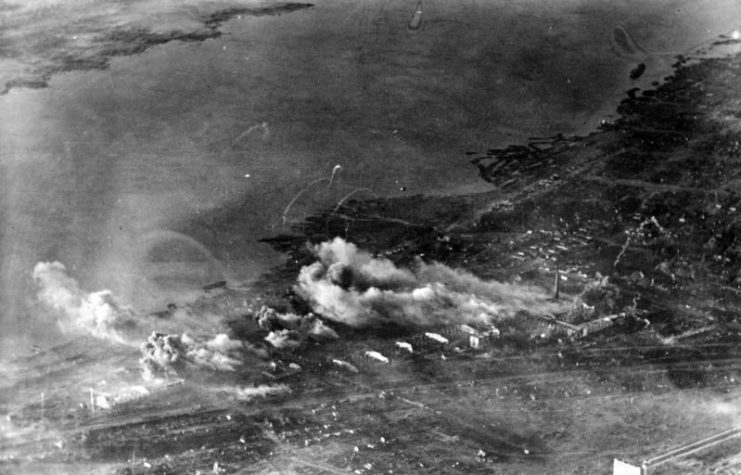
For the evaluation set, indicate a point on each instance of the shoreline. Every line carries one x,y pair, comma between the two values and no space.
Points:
647,209
94,48
633,232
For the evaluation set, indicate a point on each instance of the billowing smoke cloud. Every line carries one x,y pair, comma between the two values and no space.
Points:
289,330
164,354
351,286
96,313
175,355
283,339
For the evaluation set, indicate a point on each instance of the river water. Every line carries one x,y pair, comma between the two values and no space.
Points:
106,171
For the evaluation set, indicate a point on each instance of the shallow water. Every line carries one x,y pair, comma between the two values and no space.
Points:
117,173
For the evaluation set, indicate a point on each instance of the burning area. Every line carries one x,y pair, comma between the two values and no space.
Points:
350,286
179,344
186,341
172,355
96,314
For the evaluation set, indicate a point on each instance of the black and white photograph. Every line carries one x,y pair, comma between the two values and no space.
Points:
370,237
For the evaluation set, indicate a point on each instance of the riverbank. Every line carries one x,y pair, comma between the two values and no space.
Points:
652,193
40,39
643,214
627,239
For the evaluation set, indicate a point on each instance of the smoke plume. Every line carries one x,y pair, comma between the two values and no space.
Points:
351,286
166,353
176,355
248,393
96,314
289,330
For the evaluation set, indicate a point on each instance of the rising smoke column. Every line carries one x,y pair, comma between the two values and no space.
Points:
96,313
351,286
176,355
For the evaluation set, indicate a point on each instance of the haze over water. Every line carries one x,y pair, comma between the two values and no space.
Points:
105,171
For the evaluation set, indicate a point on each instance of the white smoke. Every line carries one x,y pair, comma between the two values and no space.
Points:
248,393
351,286
96,313
174,355
289,330
319,330
284,339
166,353
221,353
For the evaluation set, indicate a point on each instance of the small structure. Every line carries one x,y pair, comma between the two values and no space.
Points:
345,365
624,468
405,346
376,356
215,287
415,23
596,325
477,342
602,323
560,326
457,337
479,339
437,337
